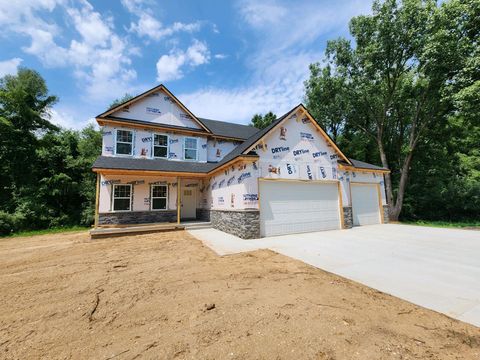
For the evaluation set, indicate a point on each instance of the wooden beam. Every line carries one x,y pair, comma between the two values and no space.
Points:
357,169
340,204
380,205
247,158
97,201
301,180
179,182
147,172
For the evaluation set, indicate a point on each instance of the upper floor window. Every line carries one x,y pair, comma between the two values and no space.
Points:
122,197
159,197
160,146
124,142
190,149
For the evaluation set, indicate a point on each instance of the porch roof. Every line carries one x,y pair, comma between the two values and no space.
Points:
124,163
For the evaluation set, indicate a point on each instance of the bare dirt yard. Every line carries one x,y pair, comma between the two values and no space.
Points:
165,296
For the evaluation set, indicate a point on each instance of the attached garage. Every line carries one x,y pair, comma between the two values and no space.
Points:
289,207
365,204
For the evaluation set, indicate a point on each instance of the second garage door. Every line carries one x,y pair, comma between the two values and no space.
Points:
289,207
365,204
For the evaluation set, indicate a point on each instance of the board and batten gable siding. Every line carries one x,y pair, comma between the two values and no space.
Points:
143,143
297,150
158,108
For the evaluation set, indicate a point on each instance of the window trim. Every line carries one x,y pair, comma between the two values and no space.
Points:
130,198
153,146
157,197
124,142
185,148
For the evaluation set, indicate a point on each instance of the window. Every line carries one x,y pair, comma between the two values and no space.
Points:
122,197
160,146
190,149
159,197
124,144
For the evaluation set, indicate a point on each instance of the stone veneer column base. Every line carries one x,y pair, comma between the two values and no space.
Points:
242,223
347,217
386,217
137,217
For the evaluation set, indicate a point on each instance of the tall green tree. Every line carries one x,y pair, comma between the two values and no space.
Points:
393,93
121,100
25,105
262,121
47,171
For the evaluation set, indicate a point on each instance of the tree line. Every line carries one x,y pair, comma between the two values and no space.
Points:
46,172
403,92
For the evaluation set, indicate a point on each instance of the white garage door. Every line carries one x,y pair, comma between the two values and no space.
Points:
288,207
365,204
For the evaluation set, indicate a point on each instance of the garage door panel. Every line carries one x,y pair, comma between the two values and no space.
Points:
290,207
365,204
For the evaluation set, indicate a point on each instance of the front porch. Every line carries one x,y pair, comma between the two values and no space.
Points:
130,229
145,202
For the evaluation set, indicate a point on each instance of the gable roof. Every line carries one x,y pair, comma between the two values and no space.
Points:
258,136
160,87
226,129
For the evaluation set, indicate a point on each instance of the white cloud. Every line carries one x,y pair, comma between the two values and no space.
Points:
9,67
277,87
90,25
281,25
220,56
262,14
170,67
64,118
286,42
100,58
150,27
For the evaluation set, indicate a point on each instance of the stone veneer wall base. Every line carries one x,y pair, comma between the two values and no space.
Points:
137,217
242,223
347,217
386,217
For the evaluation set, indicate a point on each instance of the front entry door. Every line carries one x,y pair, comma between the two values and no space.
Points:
188,203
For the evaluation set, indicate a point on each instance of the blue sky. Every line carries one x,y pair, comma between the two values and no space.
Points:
225,60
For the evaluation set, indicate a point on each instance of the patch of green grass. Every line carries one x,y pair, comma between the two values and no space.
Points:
444,224
46,231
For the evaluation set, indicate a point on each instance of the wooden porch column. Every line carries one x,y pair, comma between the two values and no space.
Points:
97,201
178,199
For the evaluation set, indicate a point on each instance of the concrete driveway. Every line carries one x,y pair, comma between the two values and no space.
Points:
432,267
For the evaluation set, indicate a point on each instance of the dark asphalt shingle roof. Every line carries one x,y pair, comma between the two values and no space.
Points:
220,128
223,128
128,163
363,165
